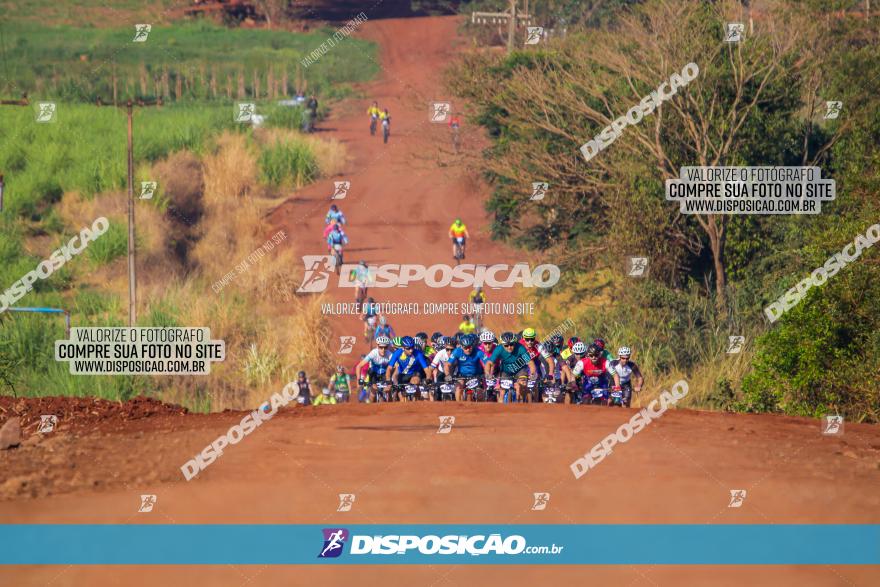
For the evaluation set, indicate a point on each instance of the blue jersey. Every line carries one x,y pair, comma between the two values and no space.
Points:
408,365
336,238
338,216
468,364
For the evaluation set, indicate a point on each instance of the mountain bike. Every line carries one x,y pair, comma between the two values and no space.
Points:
459,248
386,130
456,139
337,257
373,121
445,391
473,389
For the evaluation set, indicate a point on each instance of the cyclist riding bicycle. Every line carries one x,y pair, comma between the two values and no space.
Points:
458,230
466,326
377,360
386,124
438,363
559,353
605,352
511,359
629,373
336,237
360,275
324,398
469,361
373,111
383,329
408,363
340,382
303,389
595,369
334,213
487,342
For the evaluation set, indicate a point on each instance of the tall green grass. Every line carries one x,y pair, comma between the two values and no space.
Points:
288,161
85,149
79,64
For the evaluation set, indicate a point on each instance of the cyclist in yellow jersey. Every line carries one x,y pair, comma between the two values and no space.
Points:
374,112
458,230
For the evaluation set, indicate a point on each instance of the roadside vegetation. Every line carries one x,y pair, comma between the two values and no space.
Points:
216,181
760,102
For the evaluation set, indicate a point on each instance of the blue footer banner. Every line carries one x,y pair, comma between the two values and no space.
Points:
667,544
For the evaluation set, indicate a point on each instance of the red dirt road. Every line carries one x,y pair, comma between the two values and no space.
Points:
404,195
680,469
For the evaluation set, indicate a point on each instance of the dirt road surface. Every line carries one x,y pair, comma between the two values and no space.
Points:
102,457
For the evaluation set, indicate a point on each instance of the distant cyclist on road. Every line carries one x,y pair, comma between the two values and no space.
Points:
326,398
454,127
334,214
386,124
374,112
466,326
458,230
336,237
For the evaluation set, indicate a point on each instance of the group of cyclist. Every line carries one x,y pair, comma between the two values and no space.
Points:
516,367
379,116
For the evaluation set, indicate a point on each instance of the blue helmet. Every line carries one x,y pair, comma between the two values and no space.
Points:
468,340
407,342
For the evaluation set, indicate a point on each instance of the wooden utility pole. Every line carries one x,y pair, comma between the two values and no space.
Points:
132,279
513,18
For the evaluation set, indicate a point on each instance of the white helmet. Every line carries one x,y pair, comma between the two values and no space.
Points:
487,336
383,341
624,351
579,348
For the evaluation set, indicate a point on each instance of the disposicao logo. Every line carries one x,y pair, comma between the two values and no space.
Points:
319,268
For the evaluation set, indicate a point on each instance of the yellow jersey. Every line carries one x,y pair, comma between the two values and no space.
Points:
373,111
458,229
467,327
